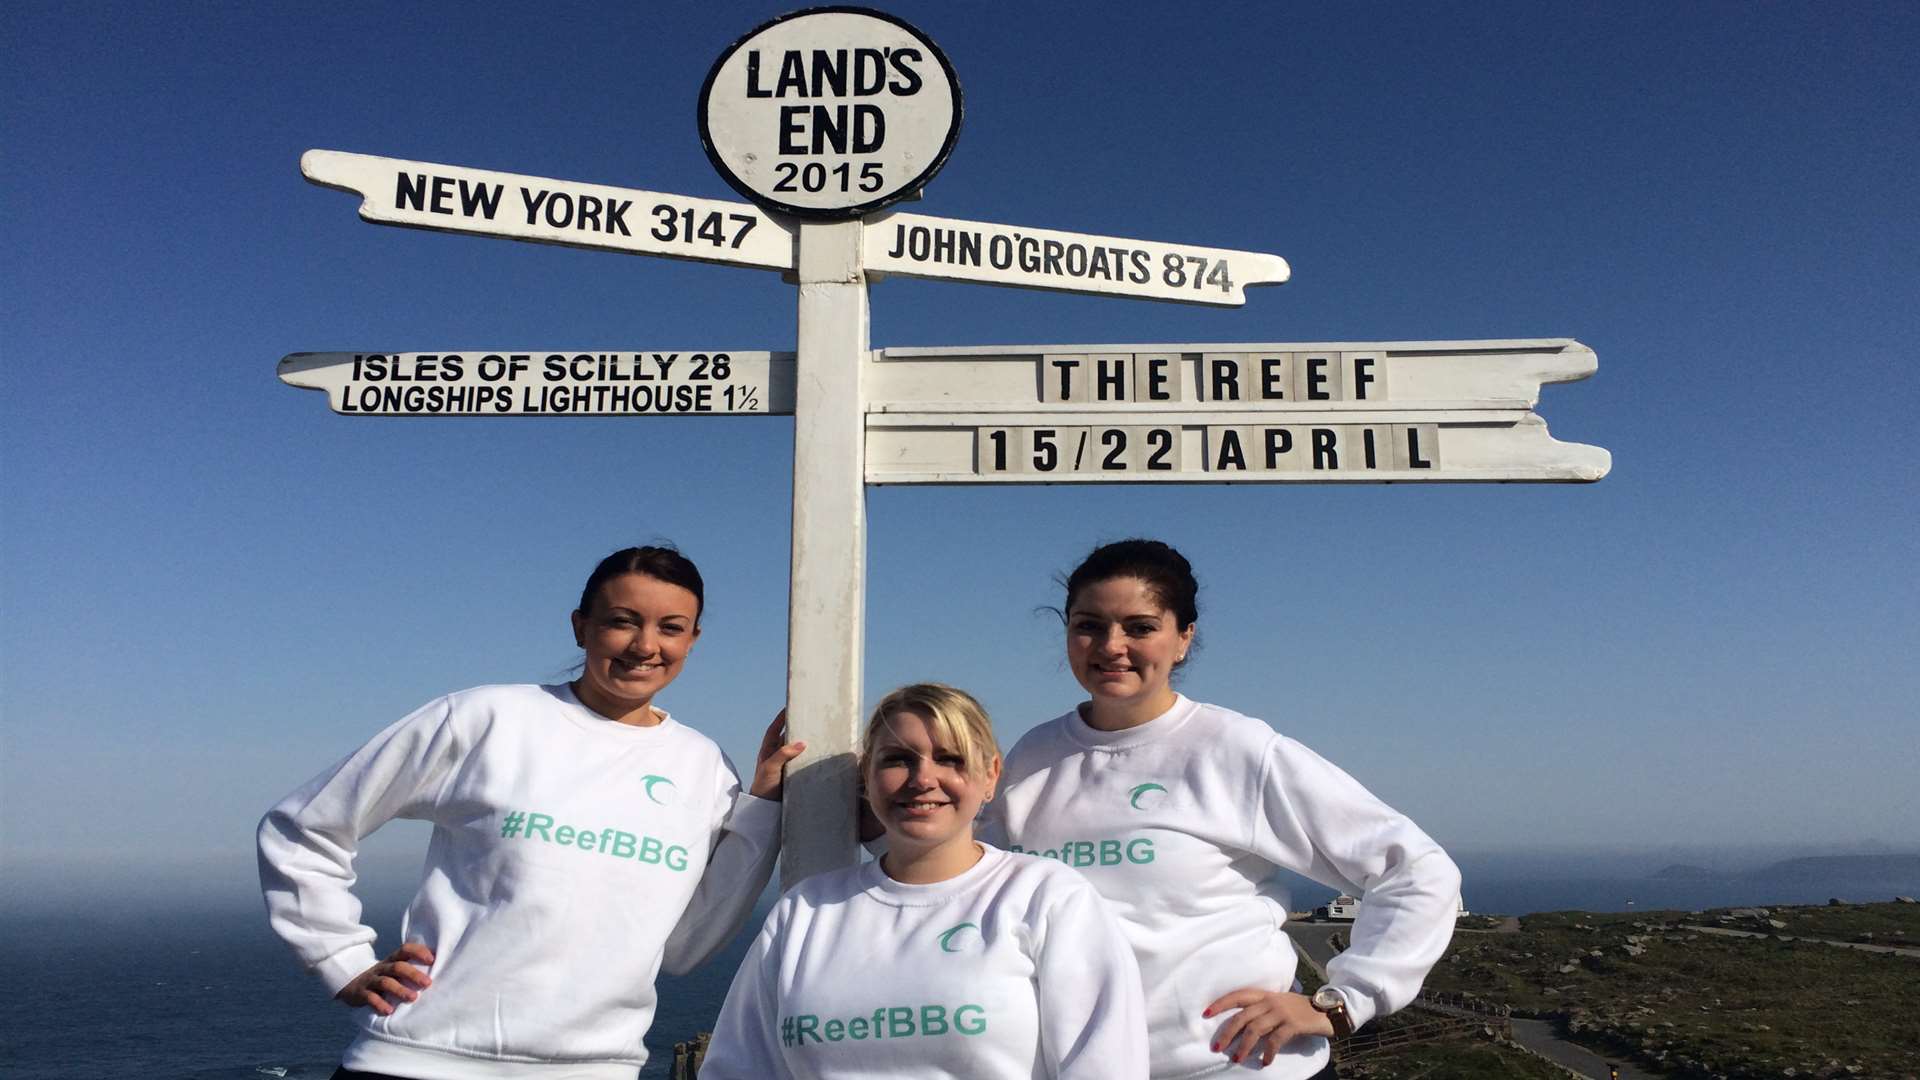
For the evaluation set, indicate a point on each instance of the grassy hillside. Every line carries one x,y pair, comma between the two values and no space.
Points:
1454,1061
1701,1005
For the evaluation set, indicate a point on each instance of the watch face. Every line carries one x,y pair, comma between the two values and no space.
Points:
1327,998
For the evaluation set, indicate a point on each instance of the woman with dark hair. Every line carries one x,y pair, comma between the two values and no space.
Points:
1179,812
583,839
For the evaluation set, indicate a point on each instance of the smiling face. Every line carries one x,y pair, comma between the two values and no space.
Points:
1122,644
636,637
922,791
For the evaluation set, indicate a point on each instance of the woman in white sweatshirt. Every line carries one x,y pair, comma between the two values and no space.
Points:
1179,812
582,840
945,958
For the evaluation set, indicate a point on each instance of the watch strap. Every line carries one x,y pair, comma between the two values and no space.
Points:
1337,1015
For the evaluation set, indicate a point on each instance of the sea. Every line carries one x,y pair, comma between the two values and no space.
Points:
208,993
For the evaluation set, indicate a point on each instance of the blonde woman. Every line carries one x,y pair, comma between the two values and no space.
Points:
945,958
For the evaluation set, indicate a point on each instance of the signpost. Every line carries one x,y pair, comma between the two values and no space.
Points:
830,113
1382,412
915,245
548,382
450,198
824,118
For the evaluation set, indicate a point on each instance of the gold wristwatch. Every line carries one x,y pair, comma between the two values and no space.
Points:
1329,1001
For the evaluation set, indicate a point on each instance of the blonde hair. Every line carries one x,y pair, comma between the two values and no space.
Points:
958,723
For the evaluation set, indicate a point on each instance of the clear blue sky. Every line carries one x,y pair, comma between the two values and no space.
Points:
213,586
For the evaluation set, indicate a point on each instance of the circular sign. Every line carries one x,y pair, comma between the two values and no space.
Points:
830,112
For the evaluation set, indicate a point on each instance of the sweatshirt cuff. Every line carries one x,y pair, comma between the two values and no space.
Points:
344,966
1360,1007
754,817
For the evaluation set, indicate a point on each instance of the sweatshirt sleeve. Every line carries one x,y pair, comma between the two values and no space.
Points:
743,1046
1318,821
746,841
307,842
1093,1015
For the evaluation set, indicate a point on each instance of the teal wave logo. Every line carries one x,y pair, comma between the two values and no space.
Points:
1147,796
668,798
958,938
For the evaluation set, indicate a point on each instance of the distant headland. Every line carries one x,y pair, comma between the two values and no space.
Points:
1855,869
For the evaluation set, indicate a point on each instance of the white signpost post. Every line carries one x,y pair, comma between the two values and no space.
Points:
824,118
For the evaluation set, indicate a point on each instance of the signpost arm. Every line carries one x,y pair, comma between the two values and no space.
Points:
825,632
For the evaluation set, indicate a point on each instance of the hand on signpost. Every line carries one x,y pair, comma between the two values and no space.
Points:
1267,1021
390,982
769,769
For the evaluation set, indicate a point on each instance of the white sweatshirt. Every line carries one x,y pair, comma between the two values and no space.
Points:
1014,969
1180,823
572,857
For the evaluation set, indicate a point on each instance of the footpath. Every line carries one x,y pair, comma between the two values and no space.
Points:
1540,1037
1897,950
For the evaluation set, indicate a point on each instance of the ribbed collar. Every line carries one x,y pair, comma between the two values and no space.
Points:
900,894
599,726
1126,738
